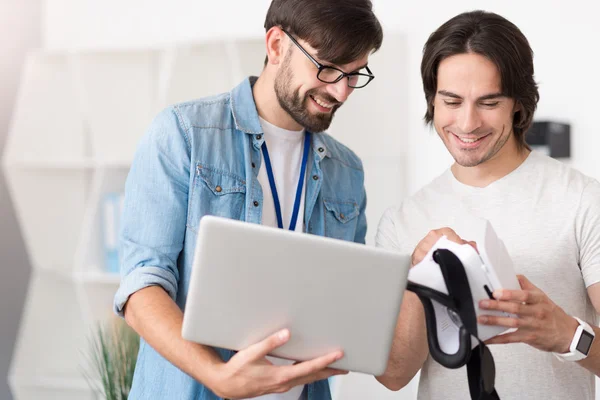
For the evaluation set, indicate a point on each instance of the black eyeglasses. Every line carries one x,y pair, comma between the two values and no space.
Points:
329,74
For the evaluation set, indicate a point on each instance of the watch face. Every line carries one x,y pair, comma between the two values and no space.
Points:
585,342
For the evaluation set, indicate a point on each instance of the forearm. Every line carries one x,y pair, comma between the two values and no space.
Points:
409,348
592,361
156,318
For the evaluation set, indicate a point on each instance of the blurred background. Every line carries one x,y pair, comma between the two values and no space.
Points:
80,82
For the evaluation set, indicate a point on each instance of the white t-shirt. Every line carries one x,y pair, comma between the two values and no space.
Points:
548,215
285,152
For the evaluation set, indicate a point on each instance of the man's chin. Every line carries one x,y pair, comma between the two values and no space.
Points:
465,160
468,162
317,123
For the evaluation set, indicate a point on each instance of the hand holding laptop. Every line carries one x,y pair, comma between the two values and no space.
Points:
250,374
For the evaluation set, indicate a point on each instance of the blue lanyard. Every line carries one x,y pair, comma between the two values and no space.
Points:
298,190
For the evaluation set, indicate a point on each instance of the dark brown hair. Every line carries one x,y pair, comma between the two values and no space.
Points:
500,41
341,31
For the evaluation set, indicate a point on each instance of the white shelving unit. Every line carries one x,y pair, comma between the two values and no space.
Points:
74,131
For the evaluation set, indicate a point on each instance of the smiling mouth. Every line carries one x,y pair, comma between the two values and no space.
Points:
323,103
467,140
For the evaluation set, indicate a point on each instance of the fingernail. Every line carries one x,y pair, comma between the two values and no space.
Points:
284,334
483,319
339,356
497,294
484,303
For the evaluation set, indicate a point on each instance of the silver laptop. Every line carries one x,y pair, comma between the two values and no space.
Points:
249,281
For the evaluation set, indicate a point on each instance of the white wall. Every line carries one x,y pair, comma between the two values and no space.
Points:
563,35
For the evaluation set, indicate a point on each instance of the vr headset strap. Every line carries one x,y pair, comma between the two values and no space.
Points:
474,371
459,299
427,295
459,289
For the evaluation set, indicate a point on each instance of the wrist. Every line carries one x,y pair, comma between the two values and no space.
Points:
215,377
580,344
209,371
567,337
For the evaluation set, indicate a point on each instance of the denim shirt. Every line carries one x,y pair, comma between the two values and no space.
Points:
202,158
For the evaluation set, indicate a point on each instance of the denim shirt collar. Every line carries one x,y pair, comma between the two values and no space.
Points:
243,107
245,115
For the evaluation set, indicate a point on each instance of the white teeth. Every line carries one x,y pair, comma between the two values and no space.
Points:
322,103
465,140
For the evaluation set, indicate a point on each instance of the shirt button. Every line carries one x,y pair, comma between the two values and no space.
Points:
315,177
255,203
258,137
218,189
321,149
342,216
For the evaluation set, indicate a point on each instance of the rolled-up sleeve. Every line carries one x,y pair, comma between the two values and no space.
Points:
155,209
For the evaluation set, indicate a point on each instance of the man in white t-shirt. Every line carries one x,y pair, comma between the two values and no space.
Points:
478,79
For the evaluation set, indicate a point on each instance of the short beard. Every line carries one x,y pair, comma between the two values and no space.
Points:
295,106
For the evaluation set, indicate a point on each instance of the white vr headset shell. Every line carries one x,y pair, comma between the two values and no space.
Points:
486,271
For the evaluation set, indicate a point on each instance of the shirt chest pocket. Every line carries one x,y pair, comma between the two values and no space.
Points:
216,192
340,219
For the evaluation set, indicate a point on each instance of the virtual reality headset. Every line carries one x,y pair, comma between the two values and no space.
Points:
450,282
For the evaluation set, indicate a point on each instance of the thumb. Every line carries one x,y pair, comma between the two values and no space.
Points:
264,347
473,244
525,283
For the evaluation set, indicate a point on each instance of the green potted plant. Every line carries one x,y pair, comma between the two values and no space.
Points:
113,350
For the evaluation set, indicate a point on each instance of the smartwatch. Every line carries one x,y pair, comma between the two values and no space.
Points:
581,343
